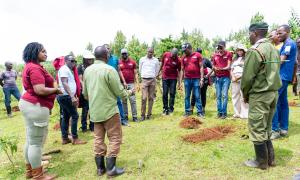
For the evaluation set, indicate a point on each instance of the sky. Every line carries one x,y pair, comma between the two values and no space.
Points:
63,26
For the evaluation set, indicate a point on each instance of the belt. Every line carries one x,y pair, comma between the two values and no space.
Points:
148,78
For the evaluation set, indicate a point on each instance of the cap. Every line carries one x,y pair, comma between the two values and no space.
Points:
221,43
88,55
186,46
124,51
260,25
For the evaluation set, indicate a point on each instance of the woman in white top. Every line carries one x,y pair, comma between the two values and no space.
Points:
239,106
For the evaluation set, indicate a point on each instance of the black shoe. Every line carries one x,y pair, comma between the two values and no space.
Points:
135,119
223,116
142,118
261,160
187,114
100,165
165,112
271,154
111,169
148,117
219,116
125,124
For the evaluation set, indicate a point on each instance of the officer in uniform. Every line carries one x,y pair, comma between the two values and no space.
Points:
260,84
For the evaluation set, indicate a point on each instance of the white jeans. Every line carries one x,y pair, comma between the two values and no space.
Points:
239,106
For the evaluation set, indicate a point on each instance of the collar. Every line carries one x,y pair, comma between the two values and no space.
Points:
99,62
260,41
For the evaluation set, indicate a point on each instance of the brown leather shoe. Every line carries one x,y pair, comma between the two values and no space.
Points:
28,172
78,141
38,174
66,141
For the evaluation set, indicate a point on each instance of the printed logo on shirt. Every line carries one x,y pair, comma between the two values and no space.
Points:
166,59
185,59
194,57
287,48
130,64
174,63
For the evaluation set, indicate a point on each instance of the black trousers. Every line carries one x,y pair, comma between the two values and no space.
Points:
169,87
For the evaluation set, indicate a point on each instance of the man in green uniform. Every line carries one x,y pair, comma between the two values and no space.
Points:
260,84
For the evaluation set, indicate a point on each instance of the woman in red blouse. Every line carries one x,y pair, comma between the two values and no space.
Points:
35,106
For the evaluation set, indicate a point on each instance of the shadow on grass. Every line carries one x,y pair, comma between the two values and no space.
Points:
282,156
294,128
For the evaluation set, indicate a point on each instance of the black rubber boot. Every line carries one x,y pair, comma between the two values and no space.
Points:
271,154
111,169
261,160
100,165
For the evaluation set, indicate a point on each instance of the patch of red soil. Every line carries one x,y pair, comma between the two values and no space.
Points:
292,103
208,134
56,126
15,108
190,123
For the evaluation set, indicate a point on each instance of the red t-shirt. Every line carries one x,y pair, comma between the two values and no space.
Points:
127,68
191,65
170,66
34,74
221,61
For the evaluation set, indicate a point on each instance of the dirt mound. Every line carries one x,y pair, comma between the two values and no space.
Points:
207,134
56,127
292,103
190,123
15,108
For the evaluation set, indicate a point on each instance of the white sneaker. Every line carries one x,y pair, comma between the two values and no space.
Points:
275,135
283,132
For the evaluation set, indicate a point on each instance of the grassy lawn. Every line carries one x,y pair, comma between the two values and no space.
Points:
154,149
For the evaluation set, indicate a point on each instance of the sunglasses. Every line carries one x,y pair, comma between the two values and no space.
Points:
73,61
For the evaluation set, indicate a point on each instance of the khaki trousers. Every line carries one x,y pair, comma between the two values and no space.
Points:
111,127
262,107
239,106
148,92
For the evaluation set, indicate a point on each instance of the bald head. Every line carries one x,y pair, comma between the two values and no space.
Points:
8,65
174,52
101,53
150,52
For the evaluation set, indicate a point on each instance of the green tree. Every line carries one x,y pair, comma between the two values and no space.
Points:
197,40
136,49
118,43
166,44
89,47
294,23
257,18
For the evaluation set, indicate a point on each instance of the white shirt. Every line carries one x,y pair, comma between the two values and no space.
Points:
149,68
65,71
237,67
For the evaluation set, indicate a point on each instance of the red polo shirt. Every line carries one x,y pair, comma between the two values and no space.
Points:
170,66
127,68
34,74
221,61
191,66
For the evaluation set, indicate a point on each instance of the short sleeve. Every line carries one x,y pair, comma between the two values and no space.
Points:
36,76
2,76
286,49
63,72
134,64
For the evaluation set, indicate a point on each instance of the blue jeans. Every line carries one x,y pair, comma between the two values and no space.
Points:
68,110
222,85
122,115
8,91
189,86
281,116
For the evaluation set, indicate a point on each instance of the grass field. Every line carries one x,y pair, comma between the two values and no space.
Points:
154,149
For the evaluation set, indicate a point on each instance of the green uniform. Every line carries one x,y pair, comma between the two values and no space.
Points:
260,84
102,86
